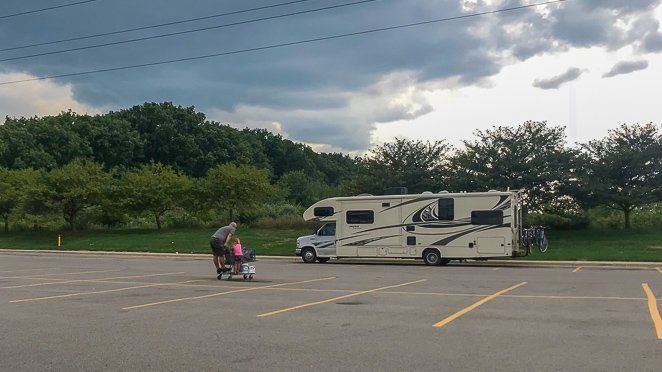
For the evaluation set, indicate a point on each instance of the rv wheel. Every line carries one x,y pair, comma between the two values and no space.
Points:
432,257
309,255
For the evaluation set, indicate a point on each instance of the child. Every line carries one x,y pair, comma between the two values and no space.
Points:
238,256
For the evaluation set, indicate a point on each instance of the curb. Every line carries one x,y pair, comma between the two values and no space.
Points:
492,263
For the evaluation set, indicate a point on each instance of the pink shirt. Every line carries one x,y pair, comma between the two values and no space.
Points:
236,249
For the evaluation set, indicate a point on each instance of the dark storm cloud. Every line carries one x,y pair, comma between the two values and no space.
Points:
329,92
555,82
626,67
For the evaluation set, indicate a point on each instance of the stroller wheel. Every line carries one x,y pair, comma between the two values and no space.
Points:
250,276
245,276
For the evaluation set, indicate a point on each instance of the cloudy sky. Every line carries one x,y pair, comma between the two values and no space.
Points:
589,65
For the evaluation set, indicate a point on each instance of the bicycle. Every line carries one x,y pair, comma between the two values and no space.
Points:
535,236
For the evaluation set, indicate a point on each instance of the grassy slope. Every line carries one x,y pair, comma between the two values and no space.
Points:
617,245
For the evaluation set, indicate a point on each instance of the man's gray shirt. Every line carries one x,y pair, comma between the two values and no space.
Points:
223,233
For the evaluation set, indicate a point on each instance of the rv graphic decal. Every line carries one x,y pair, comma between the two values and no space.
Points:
367,241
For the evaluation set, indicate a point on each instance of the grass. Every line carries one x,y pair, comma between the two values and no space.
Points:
593,245
602,245
271,242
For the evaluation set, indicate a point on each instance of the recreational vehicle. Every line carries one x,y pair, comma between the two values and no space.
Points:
437,228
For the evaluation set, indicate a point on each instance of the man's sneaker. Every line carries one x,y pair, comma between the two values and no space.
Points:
219,270
220,276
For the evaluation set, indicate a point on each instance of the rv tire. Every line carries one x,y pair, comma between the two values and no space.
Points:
308,255
322,259
432,257
444,261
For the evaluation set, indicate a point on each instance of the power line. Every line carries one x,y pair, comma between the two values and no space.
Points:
45,9
188,20
160,36
281,45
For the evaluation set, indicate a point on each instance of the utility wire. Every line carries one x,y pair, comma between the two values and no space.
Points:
155,26
281,45
45,9
160,36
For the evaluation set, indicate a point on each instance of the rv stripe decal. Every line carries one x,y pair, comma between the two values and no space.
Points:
502,199
481,228
366,241
455,236
406,203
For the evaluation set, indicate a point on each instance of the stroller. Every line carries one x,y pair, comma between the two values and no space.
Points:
246,269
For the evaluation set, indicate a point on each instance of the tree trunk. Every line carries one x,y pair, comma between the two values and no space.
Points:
626,213
6,218
231,214
71,219
158,221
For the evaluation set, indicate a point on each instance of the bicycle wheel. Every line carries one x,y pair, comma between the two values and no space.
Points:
543,244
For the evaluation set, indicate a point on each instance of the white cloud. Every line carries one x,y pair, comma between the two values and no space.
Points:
589,107
38,97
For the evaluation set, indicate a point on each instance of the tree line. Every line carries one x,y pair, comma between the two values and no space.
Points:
155,158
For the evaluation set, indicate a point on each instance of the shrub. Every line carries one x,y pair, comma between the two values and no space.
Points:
556,221
283,222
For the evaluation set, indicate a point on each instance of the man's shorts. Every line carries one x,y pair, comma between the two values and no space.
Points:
218,248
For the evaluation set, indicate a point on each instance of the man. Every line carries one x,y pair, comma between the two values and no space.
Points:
220,243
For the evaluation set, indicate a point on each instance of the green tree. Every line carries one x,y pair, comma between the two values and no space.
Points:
622,171
73,188
298,188
235,189
417,165
155,189
13,187
532,157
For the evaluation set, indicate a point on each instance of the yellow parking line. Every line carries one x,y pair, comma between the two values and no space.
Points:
97,292
90,280
222,293
337,298
577,269
58,274
652,307
475,305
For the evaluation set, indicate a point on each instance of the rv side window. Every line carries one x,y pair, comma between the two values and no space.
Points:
446,209
356,217
494,217
323,211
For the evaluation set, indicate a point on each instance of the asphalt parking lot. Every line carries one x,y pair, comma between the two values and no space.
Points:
80,312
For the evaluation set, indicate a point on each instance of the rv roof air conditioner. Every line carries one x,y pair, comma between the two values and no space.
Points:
443,192
426,192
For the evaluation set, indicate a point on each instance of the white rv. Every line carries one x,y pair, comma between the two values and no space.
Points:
437,228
